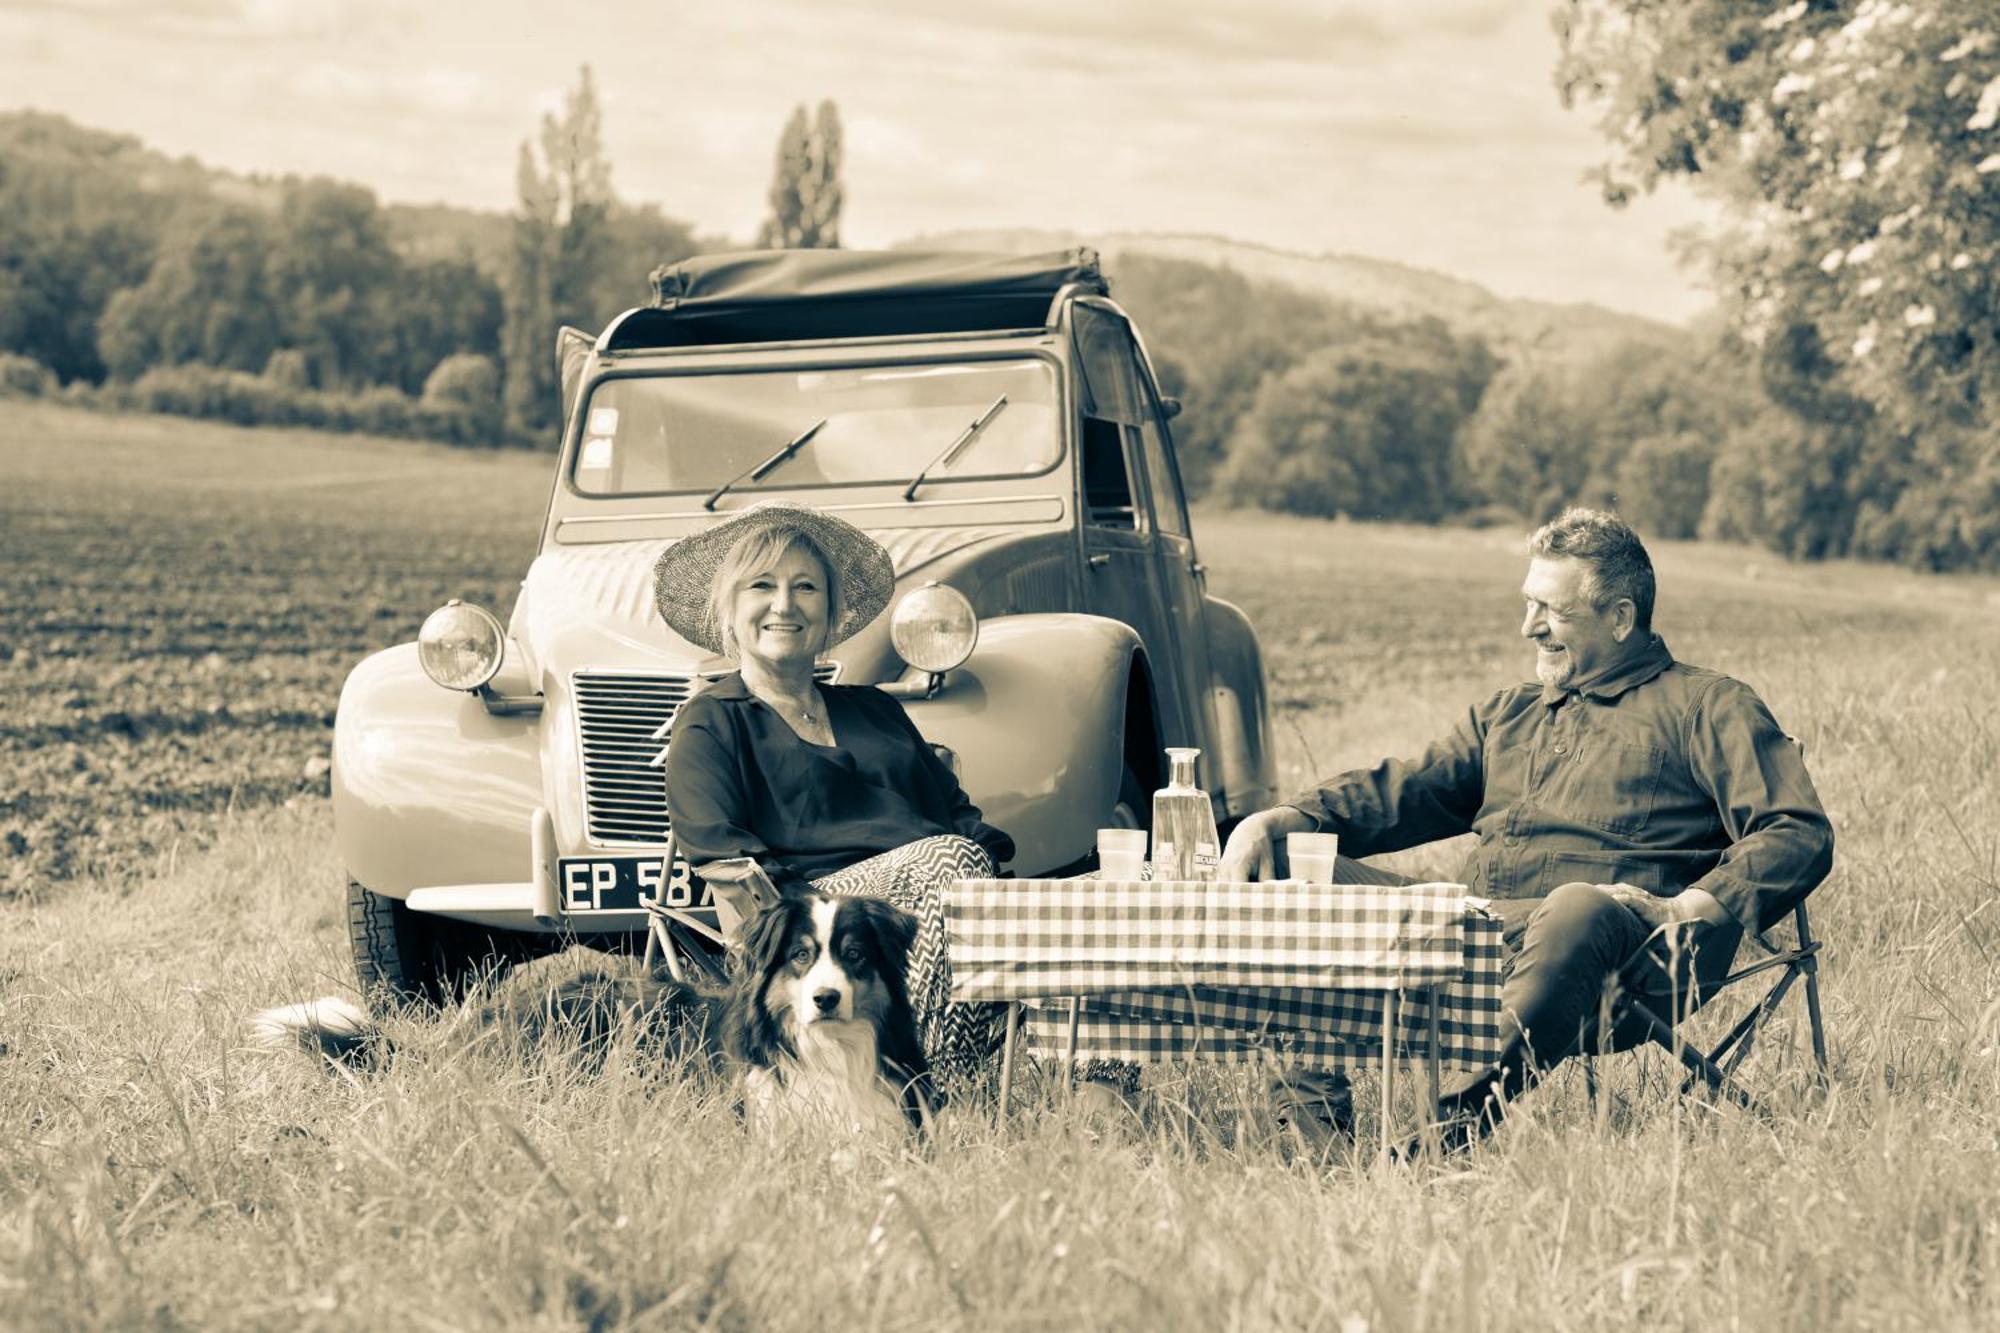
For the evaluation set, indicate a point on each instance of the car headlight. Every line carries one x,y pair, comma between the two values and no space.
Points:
934,627
461,645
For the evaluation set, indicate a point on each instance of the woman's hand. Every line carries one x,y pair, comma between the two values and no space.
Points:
1251,854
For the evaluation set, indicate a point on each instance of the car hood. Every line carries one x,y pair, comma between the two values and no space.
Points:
591,607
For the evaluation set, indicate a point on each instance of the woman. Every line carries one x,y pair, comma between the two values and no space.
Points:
827,785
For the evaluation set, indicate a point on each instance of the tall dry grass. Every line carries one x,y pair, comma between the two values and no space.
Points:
154,1172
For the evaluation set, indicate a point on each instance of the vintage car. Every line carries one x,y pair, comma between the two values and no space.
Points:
994,421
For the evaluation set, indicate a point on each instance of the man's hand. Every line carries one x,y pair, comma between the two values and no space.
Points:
1691,907
1251,853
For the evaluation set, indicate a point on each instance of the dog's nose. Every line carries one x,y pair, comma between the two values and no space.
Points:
827,1000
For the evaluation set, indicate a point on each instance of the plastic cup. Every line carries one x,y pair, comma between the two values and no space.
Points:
1121,853
1312,856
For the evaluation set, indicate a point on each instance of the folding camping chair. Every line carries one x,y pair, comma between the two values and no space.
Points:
692,949
1717,1066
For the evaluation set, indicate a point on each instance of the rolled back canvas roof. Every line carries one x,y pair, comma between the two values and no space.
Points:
787,295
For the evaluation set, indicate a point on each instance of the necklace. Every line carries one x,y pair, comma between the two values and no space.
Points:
805,712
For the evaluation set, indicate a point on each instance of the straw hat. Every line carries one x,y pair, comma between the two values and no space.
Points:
685,572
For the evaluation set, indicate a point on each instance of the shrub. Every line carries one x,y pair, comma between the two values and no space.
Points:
289,369
465,378
384,411
462,399
25,377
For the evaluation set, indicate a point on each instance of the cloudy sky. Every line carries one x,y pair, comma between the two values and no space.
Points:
1425,131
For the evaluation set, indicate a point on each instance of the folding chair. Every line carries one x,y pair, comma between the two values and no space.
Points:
692,949
1716,1068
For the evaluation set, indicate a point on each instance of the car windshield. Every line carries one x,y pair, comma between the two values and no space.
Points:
648,434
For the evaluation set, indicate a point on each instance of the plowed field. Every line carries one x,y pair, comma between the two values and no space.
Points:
182,601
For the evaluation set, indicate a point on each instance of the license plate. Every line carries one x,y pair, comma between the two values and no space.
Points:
620,883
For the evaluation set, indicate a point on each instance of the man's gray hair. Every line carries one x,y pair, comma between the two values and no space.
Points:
1619,565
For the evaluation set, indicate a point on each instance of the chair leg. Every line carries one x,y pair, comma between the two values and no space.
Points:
1747,1027
1818,1024
1697,1063
1811,966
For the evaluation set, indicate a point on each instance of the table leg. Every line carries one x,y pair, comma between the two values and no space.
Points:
1388,1065
1069,1048
1007,1055
1433,1001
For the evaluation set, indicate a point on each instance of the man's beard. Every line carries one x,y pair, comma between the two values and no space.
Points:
1554,670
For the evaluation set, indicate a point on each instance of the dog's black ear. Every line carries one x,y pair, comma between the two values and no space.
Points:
894,928
763,939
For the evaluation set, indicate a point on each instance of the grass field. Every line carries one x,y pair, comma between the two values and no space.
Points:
155,1173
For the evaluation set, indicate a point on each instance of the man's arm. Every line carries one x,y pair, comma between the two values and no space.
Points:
1781,843
1399,803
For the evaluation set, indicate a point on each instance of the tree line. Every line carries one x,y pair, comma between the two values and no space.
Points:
138,281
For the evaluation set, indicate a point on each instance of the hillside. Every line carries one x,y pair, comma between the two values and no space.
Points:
54,147
1566,333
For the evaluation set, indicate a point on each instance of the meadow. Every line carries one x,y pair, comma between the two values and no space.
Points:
172,871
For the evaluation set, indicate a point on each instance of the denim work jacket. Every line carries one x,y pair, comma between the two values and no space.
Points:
1656,774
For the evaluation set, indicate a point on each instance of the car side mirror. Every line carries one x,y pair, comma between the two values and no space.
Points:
1169,408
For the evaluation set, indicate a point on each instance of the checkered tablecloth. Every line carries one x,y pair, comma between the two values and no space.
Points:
1229,971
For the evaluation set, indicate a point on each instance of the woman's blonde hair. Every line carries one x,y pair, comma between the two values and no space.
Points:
761,550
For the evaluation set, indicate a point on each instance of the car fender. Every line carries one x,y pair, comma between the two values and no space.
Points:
428,786
1245,760
1036,717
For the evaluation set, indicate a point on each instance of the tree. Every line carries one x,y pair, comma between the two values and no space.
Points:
1857,146
207,299
561,240
438,308
1526,448
74,231
1363,428
333,274
806,193
1215,338
1662,483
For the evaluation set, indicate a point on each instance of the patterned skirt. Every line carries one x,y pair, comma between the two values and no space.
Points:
959,1039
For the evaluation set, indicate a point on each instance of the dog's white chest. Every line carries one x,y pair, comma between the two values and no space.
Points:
834,1084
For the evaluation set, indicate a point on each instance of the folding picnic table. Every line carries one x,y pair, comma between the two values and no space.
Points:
1301,974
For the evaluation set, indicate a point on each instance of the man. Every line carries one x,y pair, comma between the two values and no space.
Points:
1635,814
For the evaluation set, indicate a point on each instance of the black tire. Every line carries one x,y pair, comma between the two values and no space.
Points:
1133,805
402,958
1133,799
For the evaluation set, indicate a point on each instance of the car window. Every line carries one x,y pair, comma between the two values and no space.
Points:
1111,390
1163,477
1112,401
1107,484
653,434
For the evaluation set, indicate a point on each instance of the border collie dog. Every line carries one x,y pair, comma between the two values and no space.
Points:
816,1024
821,1020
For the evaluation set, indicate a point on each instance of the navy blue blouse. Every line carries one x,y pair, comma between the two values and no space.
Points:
741,782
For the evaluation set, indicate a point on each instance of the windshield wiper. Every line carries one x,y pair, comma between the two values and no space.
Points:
953,449
792,446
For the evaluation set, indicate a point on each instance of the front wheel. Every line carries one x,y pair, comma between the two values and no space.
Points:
1133,807
409,957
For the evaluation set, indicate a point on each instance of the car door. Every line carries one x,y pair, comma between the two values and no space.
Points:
1121,563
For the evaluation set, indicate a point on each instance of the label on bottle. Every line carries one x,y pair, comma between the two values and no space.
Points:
1200,866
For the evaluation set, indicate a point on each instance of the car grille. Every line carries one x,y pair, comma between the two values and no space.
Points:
617,714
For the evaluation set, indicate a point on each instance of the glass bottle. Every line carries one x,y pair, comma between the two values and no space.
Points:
1184,841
